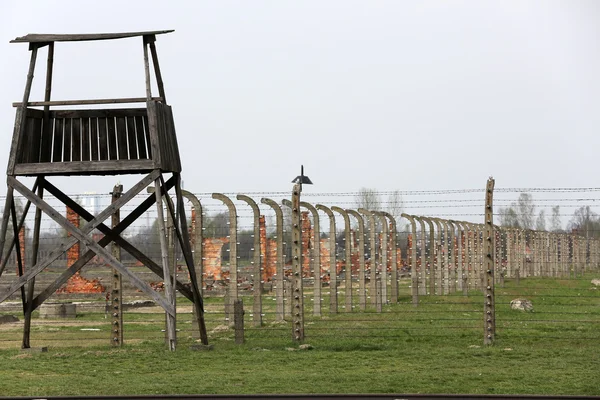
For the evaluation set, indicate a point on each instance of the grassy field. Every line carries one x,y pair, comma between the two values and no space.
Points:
435,348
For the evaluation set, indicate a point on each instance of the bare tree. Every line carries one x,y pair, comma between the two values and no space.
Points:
368,199
555,222
585,221
540,222
508,217
526,210
395,204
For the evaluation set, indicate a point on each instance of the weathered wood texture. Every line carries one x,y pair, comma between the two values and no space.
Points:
44,38
90,142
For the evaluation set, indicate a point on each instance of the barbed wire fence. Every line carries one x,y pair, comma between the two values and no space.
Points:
400,271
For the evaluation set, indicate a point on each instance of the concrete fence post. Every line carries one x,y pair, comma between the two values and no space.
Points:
279,273
384,255
393,245
362,291
347,258
372,254
256,261
452,275
232,288
423,257
413,260
439,264
333,301
431,255
316,257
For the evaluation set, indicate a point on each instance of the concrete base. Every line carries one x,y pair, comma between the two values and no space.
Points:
35,350
58,310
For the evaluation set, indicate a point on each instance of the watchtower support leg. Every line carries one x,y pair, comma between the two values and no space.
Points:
171,331
30,287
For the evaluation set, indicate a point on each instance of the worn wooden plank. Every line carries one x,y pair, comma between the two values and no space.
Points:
86,102
69,241
121,134
157,73
131,139
174,144
85,139
116,167
67,140
103,138
25,144
46,140
94,152
57,146
100,113
21,115
140,137
112,139
42,37
76,139
147,136
36,139
153,134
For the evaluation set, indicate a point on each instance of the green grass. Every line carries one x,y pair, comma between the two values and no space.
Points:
435,348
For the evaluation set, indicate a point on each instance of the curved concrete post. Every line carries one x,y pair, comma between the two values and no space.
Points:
431,252
197,234
372,253
287,291
279,308
362,293
444,272
460,265
347,258
316,257
394,256
452,269
333,307
384,258
256,262
439,265
413,260
233,276
423,269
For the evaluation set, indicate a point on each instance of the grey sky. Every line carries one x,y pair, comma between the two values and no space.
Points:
382,94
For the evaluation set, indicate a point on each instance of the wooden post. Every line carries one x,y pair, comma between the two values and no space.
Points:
171,329
279,276
297,284
31,286
238,321
117,280
489,307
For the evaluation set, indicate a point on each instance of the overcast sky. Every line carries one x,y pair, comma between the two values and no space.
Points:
381,94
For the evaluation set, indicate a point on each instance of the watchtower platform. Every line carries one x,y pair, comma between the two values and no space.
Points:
52,141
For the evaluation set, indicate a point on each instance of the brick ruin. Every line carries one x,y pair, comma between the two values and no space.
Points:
77,283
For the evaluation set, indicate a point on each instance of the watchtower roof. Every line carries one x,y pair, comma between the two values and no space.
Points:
44,38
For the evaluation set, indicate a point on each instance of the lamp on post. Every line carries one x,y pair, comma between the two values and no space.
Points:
297,289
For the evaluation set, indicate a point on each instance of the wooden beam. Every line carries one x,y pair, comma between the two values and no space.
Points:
21,222
85,102
85,167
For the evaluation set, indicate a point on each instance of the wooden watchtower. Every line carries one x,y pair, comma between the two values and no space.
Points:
48,140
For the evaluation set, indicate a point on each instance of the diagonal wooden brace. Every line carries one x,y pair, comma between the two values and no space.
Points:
92,245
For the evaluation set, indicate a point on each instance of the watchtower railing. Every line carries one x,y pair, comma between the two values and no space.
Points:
95,141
